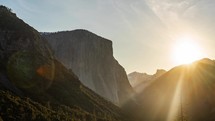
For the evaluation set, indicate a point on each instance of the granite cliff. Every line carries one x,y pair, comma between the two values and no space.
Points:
34,86
91,58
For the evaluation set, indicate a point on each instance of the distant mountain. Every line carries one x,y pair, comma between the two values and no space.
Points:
35,86
186,91
141,80
91,58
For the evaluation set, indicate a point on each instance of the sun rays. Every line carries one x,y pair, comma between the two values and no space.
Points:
176,100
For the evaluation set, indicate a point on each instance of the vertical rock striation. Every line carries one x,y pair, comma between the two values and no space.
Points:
91,59
42,88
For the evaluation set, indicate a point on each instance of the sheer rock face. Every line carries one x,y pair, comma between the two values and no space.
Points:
28,69
91,59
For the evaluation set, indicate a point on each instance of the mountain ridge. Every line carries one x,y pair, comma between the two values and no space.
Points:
28,63
189,86
141,80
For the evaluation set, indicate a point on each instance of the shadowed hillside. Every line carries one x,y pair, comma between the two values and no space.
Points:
35,86
185,92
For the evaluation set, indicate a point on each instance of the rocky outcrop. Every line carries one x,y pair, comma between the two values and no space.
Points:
141,80
29,71
91,58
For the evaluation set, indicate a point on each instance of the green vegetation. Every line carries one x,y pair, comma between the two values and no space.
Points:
13,108
49,91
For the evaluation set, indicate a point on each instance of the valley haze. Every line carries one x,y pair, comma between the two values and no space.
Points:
73,75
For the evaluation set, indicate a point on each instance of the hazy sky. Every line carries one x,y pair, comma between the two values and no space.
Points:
144,32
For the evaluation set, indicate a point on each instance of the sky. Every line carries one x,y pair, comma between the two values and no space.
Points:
144,32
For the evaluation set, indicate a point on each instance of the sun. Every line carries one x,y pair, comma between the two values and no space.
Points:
186,51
